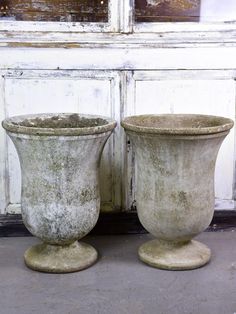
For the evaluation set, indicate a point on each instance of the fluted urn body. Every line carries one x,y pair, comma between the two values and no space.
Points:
59,157
175,157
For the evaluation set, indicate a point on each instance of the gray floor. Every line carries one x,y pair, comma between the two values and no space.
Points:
119,283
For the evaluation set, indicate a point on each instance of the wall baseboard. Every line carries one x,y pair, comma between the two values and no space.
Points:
115,223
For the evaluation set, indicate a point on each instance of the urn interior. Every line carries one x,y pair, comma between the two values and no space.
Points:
59,124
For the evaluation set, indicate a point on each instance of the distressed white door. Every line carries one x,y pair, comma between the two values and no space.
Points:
99,92
88,92
176,91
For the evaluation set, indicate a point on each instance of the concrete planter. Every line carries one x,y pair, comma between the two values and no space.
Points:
59,156
175,157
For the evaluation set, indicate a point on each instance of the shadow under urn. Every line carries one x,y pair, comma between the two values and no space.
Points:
59,157
175,162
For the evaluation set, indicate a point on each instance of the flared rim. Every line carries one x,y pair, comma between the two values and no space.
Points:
177,124
65,124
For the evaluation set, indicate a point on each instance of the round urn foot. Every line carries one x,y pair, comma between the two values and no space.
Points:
174,256
60,259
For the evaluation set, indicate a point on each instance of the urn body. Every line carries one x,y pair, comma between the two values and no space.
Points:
59,157
175,156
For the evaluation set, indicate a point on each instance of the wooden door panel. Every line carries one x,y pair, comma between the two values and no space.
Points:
32,94
214,96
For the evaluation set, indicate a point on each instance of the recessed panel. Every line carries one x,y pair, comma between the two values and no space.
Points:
214,97
89,96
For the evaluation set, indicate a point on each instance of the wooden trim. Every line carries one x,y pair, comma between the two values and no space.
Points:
115,223
3,177
163,38
120,30
118,59
7,25
186,27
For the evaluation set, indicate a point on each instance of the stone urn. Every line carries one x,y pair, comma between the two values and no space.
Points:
175,156
59,157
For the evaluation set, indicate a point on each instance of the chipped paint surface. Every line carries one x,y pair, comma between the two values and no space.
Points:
78,90
167,92
87,92
93,49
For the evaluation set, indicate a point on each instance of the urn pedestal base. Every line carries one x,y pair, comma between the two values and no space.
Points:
60,259
174,255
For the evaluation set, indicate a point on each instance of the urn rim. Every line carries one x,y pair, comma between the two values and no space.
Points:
177,124
59,124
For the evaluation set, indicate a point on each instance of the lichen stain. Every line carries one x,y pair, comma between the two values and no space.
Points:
56,167
87,195
160,165
180,198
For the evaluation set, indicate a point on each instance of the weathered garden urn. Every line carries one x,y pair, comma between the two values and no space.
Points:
59,156
175,156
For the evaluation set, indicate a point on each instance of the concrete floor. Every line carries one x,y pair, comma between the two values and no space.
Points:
119,283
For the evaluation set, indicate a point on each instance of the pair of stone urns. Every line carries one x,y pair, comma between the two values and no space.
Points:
60,155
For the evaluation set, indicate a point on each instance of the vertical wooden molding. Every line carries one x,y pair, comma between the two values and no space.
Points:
3,177
117,142
234,180
127,16
128,155
123,101
114,15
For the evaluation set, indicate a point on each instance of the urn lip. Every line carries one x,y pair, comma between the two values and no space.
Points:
59,124
177,124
